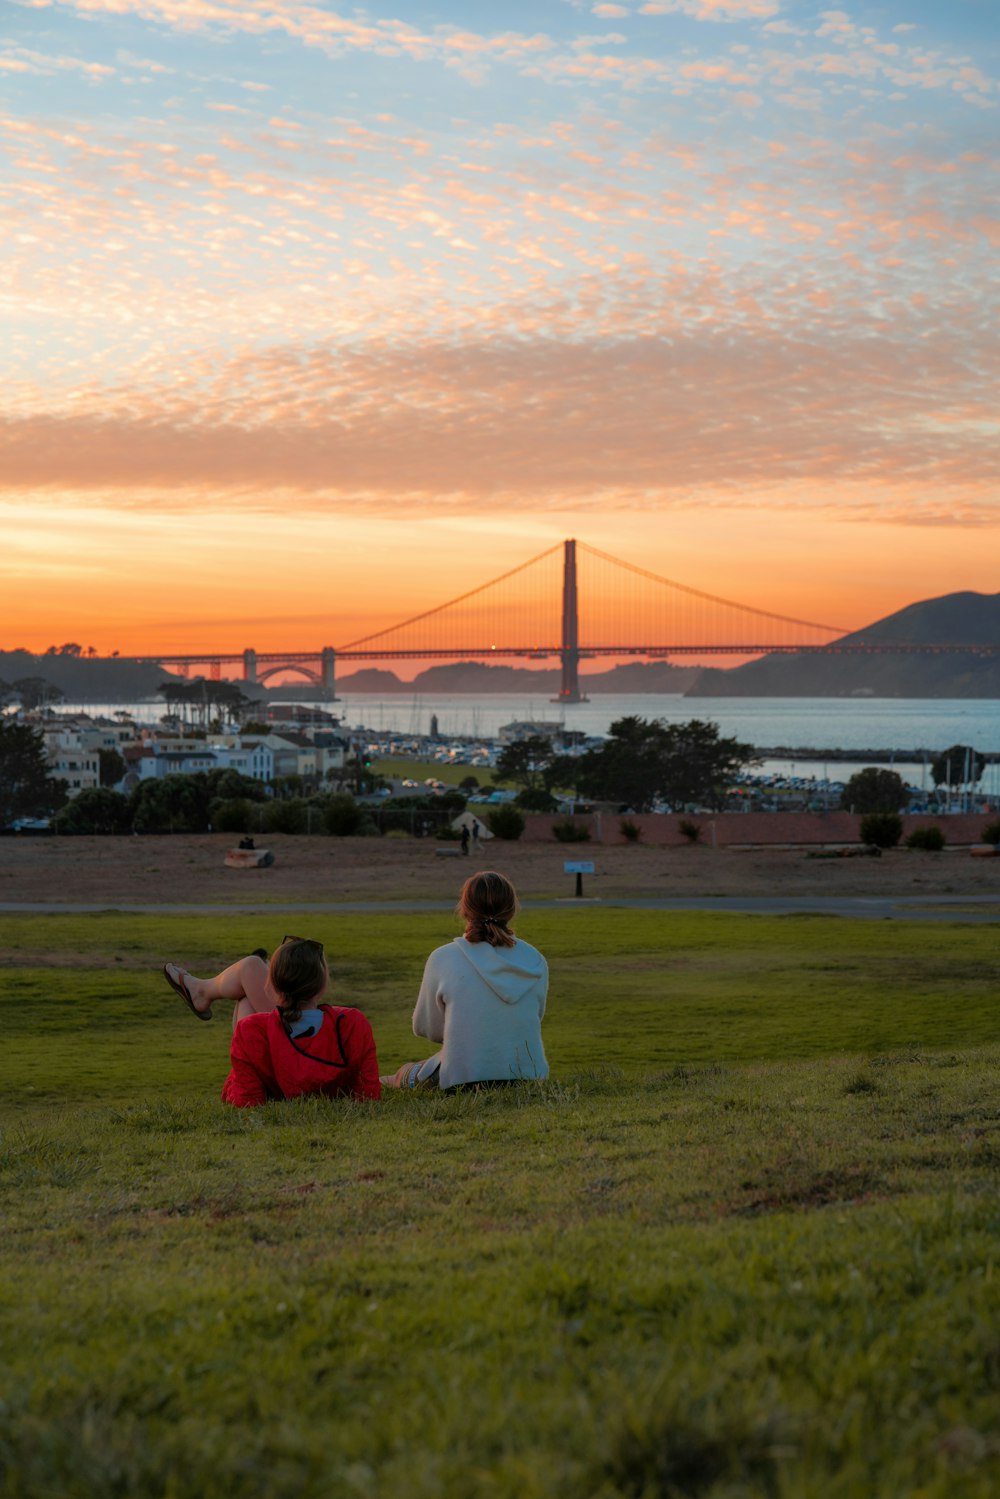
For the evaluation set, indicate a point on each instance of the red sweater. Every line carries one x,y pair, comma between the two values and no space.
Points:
267,1063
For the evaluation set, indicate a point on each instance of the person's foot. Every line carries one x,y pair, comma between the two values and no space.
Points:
187,986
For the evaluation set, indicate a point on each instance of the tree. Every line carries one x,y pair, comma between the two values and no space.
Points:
196,700
959,766
532,766
113,766
524,762
35,692
175,804
95,810
26,788
230,783
647,762
875,790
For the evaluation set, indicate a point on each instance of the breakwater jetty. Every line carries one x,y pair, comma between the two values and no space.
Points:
870,756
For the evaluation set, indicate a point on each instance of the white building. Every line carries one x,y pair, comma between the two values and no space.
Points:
69,760
152,758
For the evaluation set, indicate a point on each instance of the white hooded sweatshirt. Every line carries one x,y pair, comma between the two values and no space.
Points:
486,1005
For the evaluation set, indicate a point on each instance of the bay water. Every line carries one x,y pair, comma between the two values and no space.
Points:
915,729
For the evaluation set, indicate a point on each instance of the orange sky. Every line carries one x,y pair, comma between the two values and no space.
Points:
135,581
708,284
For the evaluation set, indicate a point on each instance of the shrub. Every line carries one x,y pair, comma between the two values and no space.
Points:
931,839
570,832
535,799
505,822
630,831
688,829
881,829
342,817
235,815
991,833
285,817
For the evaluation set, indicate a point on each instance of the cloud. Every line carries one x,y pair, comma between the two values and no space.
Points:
536,421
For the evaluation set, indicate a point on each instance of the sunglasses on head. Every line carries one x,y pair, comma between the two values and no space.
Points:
306,942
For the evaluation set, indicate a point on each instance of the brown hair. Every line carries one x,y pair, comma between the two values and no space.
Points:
488,905
298,974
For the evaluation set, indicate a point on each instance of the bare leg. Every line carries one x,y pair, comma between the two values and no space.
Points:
244,982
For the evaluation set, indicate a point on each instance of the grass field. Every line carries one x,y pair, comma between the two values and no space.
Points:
421,770
742,1243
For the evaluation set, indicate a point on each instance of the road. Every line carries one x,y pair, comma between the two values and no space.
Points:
981,908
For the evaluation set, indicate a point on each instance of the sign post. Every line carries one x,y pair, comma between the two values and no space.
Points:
579,868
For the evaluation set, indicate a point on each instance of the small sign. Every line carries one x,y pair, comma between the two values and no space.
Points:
577,866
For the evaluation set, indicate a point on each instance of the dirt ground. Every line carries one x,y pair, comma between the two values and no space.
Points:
189,869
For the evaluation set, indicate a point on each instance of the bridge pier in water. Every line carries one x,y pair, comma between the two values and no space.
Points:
569,688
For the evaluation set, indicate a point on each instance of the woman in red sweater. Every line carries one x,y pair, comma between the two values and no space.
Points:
285,1042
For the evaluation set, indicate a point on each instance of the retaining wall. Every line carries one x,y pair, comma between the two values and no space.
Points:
730,829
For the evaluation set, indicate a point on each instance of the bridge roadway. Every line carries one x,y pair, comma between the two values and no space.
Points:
965,908
498,652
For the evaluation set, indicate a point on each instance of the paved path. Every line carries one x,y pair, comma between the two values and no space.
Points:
976,908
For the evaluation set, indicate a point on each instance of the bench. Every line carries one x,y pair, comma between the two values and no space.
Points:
447,853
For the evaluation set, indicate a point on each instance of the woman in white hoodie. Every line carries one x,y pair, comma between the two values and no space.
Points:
482,997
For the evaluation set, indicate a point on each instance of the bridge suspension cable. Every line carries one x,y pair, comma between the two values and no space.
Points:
626,605
486,624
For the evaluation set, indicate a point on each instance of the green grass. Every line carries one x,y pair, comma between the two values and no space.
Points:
422,770
743,1243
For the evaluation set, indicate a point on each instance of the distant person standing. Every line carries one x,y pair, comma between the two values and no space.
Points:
465,839
475,833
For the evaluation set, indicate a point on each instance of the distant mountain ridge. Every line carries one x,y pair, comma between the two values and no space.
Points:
964,619
484,677
971,619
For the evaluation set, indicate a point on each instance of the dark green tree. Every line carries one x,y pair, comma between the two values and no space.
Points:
175,804
875,790
645,762
26,788
112,766
226,784
35,692
524,763
202,702
532,766
94,810
959,766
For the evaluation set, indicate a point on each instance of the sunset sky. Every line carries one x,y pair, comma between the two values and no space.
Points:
314,316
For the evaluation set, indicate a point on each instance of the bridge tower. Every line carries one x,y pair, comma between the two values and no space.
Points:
328,671
250,667
569,690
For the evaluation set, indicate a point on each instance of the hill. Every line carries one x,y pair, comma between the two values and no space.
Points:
971,619
482,677
87,679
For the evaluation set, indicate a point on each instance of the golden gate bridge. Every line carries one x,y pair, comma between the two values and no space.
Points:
571,602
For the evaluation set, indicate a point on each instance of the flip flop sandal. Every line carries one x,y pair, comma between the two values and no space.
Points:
179,987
